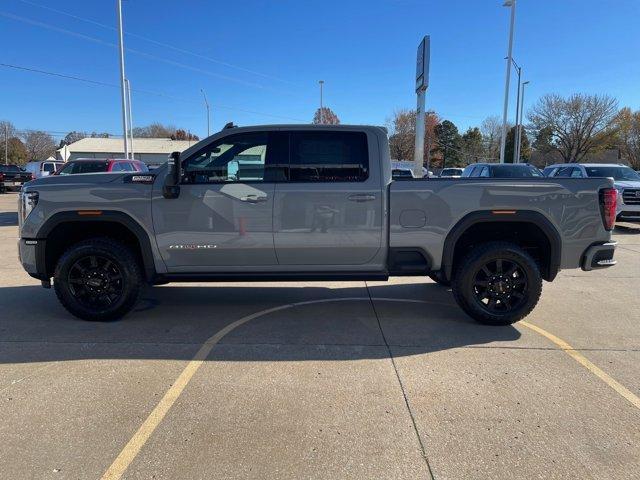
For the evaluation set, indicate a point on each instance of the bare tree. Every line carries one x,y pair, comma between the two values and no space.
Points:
328,117
40,145
491,129
155,130
579,124
402,134
627,125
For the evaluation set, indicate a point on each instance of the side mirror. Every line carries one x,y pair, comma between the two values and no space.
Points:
171,188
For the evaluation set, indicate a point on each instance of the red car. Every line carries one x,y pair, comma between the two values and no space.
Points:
100,165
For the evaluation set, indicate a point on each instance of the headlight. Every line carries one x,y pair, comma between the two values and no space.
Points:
27,202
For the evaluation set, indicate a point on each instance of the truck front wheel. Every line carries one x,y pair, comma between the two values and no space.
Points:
497,283
98,280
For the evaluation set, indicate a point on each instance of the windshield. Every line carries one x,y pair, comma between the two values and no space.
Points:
451,171
84,167
617,172
10,168
515,171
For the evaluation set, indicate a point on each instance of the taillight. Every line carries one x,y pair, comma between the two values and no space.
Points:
608,199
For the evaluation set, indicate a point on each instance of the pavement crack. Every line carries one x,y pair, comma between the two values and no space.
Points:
402,389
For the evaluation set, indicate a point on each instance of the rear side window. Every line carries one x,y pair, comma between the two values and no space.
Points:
328,157
49,167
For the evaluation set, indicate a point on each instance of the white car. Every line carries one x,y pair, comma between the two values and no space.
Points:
453,172
626,181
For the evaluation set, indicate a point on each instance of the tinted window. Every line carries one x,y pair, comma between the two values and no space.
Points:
118,167
549,171
84,167
484,172
565,172
328,157
10,168
515,171
618,173
246,157
48,167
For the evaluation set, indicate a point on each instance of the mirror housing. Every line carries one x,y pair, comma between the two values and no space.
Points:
171,188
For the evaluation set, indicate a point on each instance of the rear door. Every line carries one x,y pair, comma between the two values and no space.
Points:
223,216
329,212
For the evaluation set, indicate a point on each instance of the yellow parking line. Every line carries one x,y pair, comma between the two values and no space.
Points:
133,447
582,360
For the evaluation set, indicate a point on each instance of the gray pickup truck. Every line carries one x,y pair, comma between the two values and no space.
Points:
301,202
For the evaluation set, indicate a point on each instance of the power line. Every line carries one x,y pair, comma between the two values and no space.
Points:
161,44
89,38
148,92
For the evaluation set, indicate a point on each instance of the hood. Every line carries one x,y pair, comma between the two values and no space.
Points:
74,180
627,184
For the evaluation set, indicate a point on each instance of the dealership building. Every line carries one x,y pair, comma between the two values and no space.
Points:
149,150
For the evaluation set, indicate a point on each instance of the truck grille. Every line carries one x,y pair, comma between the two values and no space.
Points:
631,196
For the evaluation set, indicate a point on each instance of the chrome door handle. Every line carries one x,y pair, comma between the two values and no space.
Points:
253,198
362,197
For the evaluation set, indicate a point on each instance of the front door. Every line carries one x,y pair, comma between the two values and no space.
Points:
330,210
223,215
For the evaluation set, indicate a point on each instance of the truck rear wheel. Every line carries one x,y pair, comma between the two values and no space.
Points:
497,283
98,280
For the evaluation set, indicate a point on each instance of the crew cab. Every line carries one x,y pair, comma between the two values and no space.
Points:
301,202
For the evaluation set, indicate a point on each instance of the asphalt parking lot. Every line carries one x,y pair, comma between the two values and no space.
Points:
321,380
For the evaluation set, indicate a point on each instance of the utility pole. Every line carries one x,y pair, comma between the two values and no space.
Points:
321,82
123,92
516,158
206,103
512,4
130,115
422,83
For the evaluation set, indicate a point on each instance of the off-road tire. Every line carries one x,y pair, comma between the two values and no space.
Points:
121,273
517,299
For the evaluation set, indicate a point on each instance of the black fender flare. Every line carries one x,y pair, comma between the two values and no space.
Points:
105,216
486,216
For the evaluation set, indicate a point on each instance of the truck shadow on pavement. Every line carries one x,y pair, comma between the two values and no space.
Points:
8,219
172,322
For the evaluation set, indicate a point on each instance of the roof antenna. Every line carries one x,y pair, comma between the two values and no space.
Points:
229,125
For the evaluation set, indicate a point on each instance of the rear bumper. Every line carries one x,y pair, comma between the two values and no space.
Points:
599,256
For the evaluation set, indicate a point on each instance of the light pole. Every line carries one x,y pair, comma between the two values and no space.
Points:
6,144
512,4
321,82
519,144
517,130
206,104
130,115
122,78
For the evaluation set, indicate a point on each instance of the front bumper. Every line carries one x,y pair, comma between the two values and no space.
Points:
31,255
599,256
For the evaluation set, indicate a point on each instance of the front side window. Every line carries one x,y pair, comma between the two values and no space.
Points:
49,167
484,172
237,158
328,157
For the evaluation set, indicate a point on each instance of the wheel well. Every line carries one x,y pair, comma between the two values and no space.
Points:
66,234
526,235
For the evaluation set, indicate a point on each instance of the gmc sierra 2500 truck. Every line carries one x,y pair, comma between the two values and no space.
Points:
307,202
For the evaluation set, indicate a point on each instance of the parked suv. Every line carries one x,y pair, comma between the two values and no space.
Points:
626,182
102,165
501,170
304,202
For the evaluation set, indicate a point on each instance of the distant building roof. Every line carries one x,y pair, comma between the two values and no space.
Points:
140,145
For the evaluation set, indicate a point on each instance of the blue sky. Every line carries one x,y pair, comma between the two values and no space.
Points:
266,56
